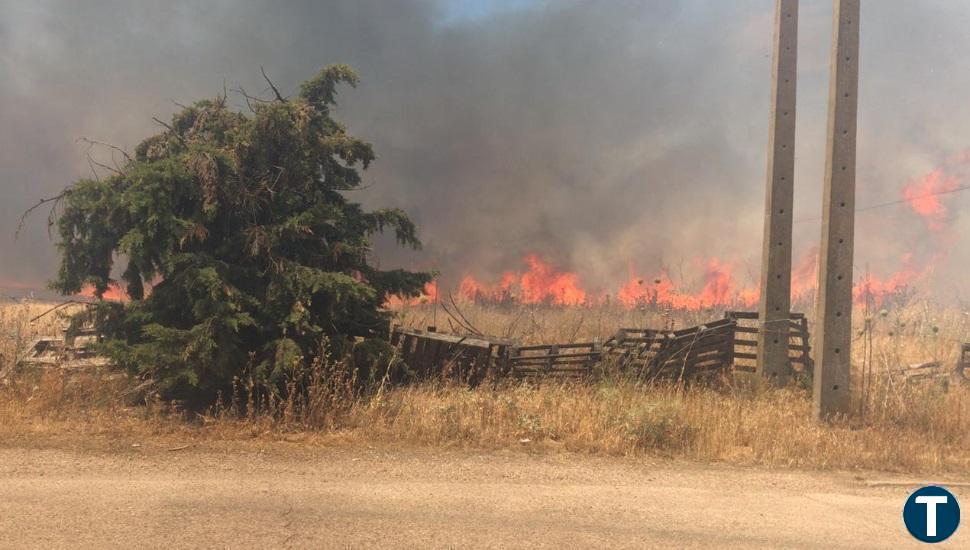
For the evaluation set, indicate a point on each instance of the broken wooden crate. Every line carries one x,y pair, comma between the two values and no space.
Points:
921,372
554,360
936,370
58,352
675,354
472,357
746,341
430,353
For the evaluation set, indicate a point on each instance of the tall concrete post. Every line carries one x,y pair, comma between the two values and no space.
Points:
833,309
773,362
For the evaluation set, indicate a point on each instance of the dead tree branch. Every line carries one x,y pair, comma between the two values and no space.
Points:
170,129
250,98
50,217
108,145
279,97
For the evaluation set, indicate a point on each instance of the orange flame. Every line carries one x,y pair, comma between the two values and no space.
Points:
543,284
878,290
720,290
804,275
922,195
428,294
540,284
115,293
471,289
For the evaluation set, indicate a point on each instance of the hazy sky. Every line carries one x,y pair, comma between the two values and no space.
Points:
604,135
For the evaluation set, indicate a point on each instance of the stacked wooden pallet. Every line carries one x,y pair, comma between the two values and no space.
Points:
685,354
676,354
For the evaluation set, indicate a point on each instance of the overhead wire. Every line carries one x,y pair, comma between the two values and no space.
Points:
894,202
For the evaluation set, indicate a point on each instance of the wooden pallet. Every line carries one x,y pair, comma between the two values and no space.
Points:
746,341
555,360
430,353
678,354
921,372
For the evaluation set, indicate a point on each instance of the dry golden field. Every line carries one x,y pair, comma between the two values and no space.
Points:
923,427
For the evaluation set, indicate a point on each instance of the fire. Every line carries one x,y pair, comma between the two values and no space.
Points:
636,291
720,287
878,290
115,293
540,284
543,284
804,276
923,196
471,289
720,290
428,294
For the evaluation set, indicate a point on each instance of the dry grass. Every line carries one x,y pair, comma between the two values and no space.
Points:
623,418
899,427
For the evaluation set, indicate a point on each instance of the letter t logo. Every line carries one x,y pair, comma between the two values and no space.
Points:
931,502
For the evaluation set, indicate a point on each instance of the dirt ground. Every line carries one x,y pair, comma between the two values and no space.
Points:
293,495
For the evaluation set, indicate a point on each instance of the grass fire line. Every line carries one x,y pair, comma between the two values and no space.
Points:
543,283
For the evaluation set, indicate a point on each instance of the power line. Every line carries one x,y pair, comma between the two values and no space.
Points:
895,202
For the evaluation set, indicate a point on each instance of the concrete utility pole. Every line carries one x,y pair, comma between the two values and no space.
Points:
773,362
833,309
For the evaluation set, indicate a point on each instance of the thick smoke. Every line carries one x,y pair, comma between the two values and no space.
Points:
603,135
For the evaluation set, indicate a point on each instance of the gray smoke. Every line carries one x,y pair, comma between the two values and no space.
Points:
603,135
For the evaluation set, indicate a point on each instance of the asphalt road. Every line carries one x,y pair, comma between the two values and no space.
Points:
290,496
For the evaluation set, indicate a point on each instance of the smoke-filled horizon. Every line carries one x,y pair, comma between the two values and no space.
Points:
610,138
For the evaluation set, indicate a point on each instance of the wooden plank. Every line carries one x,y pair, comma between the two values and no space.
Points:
554,365
639,340
435,352
560,355
749,315
540,369
557,358
472,341
589,345
800,348
805,358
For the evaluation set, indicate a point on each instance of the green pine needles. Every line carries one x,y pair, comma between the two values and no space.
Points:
238,225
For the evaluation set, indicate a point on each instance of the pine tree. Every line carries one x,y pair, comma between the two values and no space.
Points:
237,245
